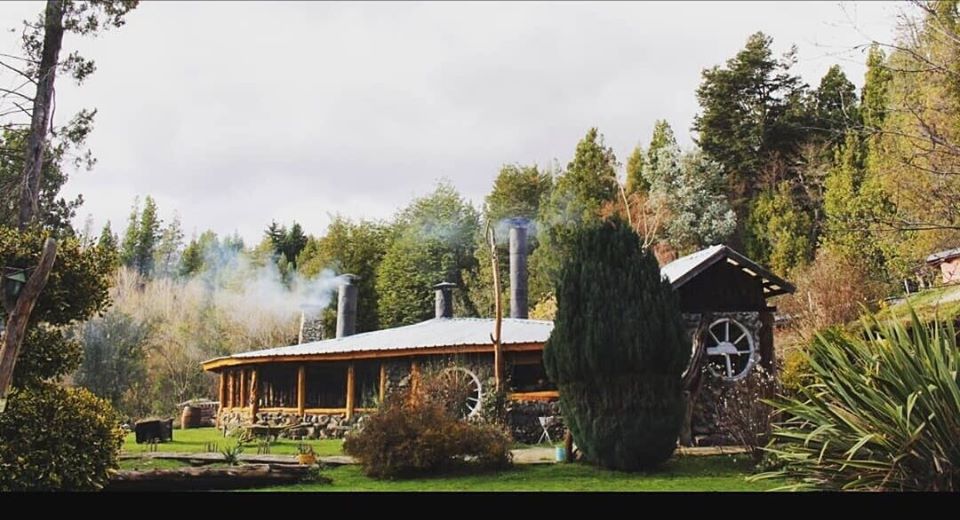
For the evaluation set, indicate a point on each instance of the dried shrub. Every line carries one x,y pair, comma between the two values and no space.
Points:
422,432
831,290
744,414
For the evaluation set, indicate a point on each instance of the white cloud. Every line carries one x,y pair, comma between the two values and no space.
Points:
234,114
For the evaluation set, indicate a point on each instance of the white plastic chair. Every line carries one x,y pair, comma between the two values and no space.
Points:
545,424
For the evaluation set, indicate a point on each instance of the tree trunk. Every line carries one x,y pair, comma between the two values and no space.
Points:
692,378
19,317
42,109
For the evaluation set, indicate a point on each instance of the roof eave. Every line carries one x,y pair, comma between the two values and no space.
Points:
768,278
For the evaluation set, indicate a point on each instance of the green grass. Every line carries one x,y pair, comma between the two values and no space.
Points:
690,473
941,302
195,440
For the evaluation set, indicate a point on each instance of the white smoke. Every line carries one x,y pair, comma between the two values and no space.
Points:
246,286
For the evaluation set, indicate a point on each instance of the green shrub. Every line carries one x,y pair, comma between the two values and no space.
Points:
882,411
420,433
54,438
617,350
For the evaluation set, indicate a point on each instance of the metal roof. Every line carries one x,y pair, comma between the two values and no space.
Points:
678,270
461,332
438,332
941,256
686,268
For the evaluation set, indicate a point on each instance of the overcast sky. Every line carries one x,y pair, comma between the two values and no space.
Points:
234,114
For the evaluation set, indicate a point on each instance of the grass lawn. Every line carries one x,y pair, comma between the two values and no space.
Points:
196,439
690,473
941,302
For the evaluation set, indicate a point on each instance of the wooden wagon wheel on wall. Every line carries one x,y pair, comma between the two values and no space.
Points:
471,404
731,349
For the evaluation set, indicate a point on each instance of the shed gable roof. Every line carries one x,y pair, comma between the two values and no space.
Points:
686,268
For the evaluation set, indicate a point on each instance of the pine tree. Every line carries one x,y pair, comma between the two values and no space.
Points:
131,235
617,361
168,251
191,261
635,166
108,240
662,139
147,237
589,181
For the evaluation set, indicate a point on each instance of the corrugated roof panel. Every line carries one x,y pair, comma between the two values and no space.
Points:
943,255
681,266
439,332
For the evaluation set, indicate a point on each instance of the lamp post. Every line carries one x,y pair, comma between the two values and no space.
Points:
11,283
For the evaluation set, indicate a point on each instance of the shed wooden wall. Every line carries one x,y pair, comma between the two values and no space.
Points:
722,288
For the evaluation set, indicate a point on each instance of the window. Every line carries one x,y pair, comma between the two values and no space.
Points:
366,384
527,374
326,385
278,386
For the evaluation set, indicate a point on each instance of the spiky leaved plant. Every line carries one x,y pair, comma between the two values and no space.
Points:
617,350
882,411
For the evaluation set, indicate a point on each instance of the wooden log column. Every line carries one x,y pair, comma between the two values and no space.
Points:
229,375
221,396
767,353
414,377
301,390
243,388
383,381
254,394
350,393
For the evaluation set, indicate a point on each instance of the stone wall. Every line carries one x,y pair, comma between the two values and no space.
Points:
705,421
523,419
315,426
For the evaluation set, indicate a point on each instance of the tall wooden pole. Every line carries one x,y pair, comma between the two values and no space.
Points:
498,311
301,390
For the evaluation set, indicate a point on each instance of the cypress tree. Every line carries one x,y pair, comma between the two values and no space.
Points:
617,350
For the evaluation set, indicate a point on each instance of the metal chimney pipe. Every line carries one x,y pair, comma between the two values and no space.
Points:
518,268
444,299
347,306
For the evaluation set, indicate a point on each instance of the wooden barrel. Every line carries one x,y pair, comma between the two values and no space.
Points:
191,418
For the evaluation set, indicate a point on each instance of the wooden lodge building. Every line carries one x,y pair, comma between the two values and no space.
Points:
329,385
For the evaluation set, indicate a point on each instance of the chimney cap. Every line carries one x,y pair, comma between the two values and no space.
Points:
444,285
347,278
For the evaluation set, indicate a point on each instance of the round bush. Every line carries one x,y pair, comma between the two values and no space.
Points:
57,439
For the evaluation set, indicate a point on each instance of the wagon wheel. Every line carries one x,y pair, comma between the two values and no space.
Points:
731,349
471,404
